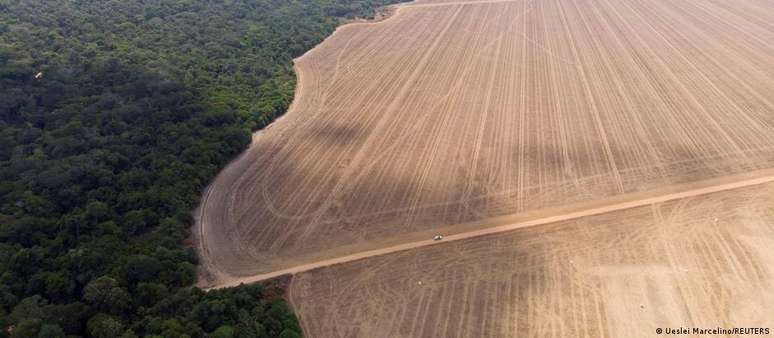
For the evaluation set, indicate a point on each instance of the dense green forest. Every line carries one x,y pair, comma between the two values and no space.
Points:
114,114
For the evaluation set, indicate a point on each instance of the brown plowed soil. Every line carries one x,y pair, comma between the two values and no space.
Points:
602,168
705,261
448,113
508,223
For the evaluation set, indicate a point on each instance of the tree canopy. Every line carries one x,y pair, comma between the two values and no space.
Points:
113,117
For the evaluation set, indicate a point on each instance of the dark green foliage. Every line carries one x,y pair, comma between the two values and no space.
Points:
113,116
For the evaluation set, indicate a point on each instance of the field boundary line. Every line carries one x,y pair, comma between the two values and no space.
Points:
617,203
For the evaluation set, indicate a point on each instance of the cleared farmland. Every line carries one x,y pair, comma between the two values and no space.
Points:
702,262
455,112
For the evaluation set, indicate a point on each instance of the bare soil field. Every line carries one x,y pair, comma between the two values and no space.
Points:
705,261
512,222
448,113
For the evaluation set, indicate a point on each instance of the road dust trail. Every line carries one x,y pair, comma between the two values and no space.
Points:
638,200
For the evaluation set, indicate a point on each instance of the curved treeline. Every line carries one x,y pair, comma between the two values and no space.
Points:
113,116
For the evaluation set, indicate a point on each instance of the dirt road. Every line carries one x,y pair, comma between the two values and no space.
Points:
616,204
